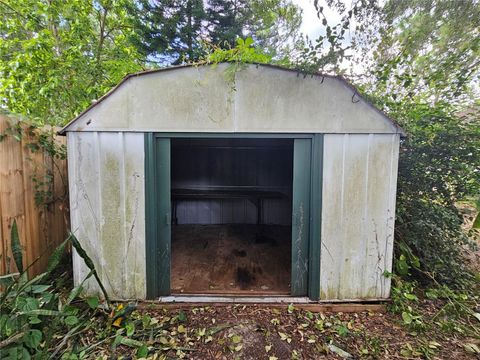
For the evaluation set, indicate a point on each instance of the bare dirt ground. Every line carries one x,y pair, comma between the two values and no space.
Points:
254,332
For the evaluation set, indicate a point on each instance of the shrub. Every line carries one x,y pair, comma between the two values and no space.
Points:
33,313
439,165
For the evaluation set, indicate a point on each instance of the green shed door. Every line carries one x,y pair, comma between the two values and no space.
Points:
302,149
164,214
157,217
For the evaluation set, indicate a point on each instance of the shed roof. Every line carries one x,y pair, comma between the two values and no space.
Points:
258,98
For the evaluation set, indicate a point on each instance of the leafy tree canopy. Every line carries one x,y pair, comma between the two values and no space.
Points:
56,56
170,31
423,49
178,31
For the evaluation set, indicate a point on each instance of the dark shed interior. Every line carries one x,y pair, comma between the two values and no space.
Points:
231,215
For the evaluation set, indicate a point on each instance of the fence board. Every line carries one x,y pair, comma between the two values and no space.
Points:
41,227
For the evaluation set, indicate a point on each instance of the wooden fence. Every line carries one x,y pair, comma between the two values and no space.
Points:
25,173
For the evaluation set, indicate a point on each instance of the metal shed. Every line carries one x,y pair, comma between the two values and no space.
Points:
294,167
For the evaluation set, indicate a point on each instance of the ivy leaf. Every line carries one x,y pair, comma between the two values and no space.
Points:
181,316
71,320
248,42
410,296
142,351
33,338
407,318
93,302
34,320
130,327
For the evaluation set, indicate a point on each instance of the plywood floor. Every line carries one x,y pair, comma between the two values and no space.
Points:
231,259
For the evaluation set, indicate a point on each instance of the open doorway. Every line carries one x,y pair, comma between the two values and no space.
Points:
231,216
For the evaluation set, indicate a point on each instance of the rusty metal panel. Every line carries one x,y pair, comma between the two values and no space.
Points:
107,205
358,213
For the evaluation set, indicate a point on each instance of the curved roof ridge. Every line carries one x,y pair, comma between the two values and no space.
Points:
273,66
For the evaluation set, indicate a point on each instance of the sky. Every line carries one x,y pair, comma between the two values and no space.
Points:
311,24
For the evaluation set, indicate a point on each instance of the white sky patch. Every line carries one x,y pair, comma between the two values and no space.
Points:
311,24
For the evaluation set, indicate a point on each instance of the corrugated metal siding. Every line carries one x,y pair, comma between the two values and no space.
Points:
107,206
358,213
239,163
275,212
106,172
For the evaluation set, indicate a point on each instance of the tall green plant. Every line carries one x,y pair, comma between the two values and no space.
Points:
33,312
16,247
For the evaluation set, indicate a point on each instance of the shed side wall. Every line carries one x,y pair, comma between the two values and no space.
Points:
358,213
107,209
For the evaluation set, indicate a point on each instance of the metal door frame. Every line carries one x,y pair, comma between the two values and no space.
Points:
306,209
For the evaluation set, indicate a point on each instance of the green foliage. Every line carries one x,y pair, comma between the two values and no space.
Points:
274,24
56,57
439,165
327,51
275,27
438,307
413,49
170,31
240,55
33,313
16,247
433,45
404,301
243,53
173,32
